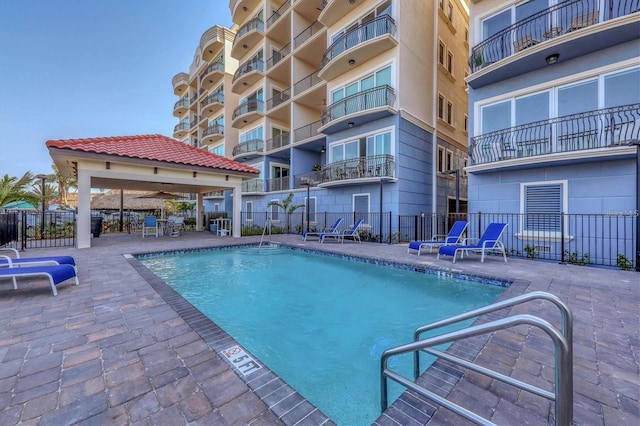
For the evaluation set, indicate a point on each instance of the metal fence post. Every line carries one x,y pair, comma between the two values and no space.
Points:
562,238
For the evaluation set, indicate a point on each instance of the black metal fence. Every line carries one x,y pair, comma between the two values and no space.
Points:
32,228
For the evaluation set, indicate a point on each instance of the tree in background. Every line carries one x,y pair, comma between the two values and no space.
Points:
65,184
13,189
288,207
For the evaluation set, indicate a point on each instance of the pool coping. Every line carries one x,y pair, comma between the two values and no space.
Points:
281,398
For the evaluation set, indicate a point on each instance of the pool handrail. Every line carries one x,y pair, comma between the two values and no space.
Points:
562,339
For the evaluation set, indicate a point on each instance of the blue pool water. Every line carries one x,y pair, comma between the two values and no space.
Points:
319,322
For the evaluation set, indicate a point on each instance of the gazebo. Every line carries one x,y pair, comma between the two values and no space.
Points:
146,163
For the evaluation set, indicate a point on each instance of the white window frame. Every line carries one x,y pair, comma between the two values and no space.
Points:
441,159
274,213
554,236
353,204
313,212
390,129
248,208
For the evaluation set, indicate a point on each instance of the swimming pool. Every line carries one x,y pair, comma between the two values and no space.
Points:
319,322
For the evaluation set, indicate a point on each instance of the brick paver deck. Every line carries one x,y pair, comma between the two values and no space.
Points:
114,351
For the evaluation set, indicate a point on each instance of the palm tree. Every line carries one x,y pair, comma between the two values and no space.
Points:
64,185
288,208
13,189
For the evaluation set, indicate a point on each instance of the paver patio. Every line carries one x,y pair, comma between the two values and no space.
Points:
113,351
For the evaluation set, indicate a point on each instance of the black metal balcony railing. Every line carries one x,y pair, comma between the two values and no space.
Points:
194,122
213,98
278,13
380,26
307,33
603,128
376,97
247,67
278,141
214,67
253,185
279,98
308,131
307,82
184,102
254,105
374,166
278,184
550,23
278,56
193,100
253,145
181,127
216,129
256,24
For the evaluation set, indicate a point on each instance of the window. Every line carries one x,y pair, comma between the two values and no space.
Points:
218,150
376,144
274,210
379,144
464,167
466,123
450,62
449,160
622,88
216,207
441,107
441,4
361,206
248,207
441,49
542,204
466,35
311,202
380,77
450,12
449,113
255,134
441,159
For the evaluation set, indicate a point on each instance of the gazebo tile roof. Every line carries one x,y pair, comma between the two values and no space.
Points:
151,147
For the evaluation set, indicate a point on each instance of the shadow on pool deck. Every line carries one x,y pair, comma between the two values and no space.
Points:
114,351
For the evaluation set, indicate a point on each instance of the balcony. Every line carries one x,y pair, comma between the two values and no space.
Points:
212,104
278,99
569,29
240,9
247,74
307,33
181,129
180,107
248,149
583,136
278,142
279,23
278,184
180,83
309,131
211,42
250,34
358,45
363,107
253,185
309,42
193,103
355,170
276,72
211,75
247,112
212,134
334,10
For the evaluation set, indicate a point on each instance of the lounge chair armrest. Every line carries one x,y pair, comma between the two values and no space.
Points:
439,237
12,250
487,242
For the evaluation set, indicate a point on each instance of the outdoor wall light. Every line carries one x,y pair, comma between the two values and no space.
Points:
352,62
322,149
552,59
352,1
244,8
351,124
244,46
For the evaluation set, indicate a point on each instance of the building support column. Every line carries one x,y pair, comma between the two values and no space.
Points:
237,210
83,218
199,211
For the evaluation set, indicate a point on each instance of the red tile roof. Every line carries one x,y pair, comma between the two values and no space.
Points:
151,147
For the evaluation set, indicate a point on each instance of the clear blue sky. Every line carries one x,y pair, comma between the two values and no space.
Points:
92,68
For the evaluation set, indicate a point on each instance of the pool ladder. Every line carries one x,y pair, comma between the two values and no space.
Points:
562,339
267,224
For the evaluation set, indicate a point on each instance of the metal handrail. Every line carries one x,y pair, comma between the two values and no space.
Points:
563,342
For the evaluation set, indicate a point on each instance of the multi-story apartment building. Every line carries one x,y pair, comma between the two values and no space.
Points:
205,99
554,95
360,103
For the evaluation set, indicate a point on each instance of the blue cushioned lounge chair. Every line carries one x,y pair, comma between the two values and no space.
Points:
347,233
333,230
454,237
55,273
17,261
489,242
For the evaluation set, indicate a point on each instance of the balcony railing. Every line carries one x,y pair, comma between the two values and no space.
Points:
181,127
247,67
217,97
254,24
376,97
253,185
307,33
279,98
214,67
278,184
365,32
308,131
603,128
278,13
375,166
216,129
184,103
253,145
307,82
278,141
552,22
255,105
278,56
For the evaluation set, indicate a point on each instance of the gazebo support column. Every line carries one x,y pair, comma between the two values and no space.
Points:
237,210
84,209
199,212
